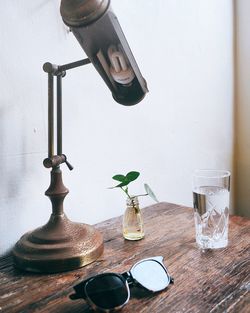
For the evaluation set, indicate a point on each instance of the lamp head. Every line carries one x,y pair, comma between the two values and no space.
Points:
99,33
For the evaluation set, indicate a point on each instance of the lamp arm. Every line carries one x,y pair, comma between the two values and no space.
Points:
59,114
50,115
59,71
69,66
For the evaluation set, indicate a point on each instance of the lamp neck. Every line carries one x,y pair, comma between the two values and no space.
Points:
56,191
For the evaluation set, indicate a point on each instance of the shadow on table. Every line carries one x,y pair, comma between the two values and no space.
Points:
76,305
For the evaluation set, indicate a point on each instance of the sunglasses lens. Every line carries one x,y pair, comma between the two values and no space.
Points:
107,291
151,275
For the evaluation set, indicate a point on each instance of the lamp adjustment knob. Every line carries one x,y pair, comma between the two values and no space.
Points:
70,167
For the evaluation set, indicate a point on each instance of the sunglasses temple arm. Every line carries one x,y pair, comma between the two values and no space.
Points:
79,291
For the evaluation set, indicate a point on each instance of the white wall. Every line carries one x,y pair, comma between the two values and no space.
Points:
242,138
184,50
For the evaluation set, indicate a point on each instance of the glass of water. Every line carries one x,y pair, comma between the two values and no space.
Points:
211,207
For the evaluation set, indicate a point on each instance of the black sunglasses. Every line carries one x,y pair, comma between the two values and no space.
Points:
110,291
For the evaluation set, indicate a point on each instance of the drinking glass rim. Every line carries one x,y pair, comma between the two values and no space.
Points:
221,173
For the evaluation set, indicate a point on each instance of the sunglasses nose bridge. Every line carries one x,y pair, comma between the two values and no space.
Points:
128,277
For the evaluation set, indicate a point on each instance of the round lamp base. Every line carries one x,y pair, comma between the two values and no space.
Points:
58,246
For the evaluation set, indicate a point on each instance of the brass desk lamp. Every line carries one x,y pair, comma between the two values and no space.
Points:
60,244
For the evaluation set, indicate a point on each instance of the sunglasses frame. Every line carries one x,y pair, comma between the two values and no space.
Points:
126,277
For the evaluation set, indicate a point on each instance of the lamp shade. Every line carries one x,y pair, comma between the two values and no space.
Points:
99,33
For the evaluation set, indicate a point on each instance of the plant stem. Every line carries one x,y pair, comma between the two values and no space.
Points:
126,191
131,198
145,194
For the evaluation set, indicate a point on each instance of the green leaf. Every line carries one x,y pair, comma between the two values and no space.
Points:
119,177
122,184
125,180
150,192
131,176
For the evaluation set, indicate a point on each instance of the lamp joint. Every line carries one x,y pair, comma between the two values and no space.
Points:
53,69
56,160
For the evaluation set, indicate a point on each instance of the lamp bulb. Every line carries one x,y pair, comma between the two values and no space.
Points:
121,72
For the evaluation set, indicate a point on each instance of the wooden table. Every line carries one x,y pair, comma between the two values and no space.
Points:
214,281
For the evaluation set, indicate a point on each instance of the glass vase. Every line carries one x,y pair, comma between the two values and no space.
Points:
133,228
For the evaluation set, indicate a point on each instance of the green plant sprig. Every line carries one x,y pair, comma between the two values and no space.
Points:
125,180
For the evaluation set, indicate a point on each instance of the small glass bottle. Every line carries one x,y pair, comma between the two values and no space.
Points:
133,228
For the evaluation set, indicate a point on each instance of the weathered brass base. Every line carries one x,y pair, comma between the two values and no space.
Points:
60,245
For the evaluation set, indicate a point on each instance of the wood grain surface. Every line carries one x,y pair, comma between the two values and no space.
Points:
213,281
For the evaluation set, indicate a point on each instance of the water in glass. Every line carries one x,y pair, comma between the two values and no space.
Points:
211,206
